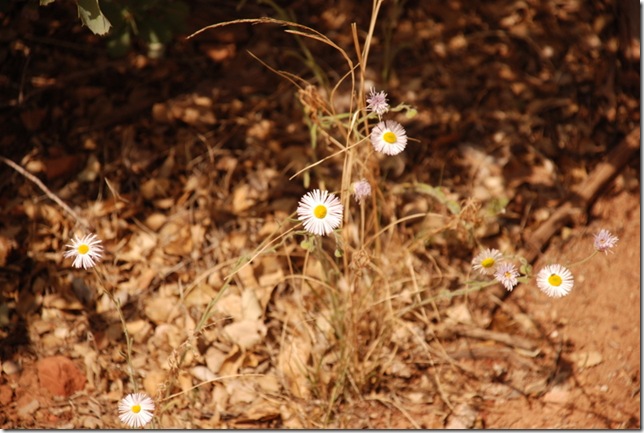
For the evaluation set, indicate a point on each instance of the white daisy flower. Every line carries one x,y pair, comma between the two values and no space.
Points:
320,211
361,190
85,251
605,241
136,409
555,280
506,274
487,261
377,102
389,137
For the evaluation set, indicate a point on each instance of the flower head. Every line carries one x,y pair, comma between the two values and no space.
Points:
84,250
389,137
605,241
377,102
506,274
487,261
555,281
136,409
320,211
361,190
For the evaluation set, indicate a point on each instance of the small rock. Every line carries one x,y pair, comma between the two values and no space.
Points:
10,367
557,395
416,397
463,417
60,376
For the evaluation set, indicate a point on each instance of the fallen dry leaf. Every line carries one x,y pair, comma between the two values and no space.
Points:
153,380
292,364
203,373
162,310
246,333
251,310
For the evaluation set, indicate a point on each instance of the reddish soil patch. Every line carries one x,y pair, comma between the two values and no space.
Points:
595,333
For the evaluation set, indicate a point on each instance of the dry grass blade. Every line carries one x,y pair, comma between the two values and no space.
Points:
484,334
309,32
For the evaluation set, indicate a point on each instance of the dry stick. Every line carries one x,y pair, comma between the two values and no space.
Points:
486,335
578,203
46,190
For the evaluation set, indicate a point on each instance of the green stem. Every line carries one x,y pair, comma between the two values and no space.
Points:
594,253
128,339
475,288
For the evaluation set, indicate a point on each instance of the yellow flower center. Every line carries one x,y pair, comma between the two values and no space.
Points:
319,211
488,262
136,408
389,137
82,249
554,280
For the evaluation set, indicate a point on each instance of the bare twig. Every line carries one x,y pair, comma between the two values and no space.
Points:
46,190
484,334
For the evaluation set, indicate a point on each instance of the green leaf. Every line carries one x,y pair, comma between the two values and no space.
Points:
525,268
46,2
497,205
439,195
90,14
411,113
308,244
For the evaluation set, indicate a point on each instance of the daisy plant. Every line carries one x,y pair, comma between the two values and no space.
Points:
604,241
86,251
507,274
377,102
487,261
320,212
389,137
555,280
361,190
136,410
